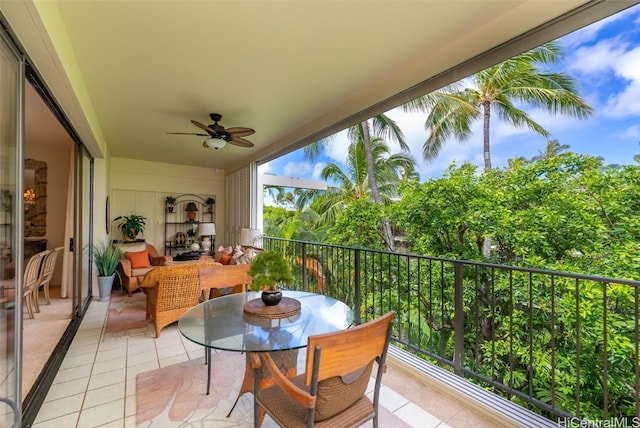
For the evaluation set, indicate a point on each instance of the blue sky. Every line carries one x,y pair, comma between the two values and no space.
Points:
605,60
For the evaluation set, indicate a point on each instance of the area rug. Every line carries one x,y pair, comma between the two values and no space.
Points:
175,396
127,316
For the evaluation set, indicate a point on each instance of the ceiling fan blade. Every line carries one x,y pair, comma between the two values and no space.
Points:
188,133
240,132
238,141
204,127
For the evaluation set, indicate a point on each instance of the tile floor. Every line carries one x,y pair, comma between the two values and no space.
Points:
96,384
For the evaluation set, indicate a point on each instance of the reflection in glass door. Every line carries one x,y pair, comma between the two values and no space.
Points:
84,197
11,90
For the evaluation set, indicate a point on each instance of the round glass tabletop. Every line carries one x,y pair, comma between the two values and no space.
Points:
221,323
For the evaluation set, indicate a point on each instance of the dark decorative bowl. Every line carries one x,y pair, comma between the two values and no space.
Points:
271,297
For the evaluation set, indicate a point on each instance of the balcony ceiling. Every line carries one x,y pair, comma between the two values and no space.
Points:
135,70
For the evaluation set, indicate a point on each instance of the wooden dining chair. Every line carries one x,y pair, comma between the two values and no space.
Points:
46,273
30,281
332,389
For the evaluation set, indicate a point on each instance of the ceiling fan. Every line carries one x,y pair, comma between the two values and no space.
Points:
218,135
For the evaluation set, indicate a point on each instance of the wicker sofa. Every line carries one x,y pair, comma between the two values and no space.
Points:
131,275
172,290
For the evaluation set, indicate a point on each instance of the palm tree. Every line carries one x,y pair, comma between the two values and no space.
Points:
382,127
500,88
354,183
553,148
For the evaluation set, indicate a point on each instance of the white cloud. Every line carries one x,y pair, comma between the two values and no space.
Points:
317,170
599,58
264,168
630,133
337,148
297,169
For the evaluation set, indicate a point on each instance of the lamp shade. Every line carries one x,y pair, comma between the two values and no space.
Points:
248,237
214,143
191,206
207,229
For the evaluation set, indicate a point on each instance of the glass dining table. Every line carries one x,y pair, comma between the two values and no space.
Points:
222,324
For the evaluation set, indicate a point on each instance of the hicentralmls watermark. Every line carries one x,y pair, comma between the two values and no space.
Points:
617,422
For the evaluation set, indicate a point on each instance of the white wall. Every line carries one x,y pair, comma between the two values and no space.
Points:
140,187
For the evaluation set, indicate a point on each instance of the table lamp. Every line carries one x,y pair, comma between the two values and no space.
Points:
250,238
207,230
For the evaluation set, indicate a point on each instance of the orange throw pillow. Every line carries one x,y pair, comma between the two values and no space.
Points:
225,259
138,259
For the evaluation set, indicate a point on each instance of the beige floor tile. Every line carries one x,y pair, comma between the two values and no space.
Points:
75,350
132,371
113,344
130,422
415,416
130,406
73,373
142,358
61,407
107,394
174,360
171,351
390,399
105,413
65,389
111,354
106,379
130,387
78,360
109,365
65,421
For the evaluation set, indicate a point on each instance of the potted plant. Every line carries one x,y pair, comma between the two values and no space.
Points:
171,203
268,270
106,258
132,225
210,202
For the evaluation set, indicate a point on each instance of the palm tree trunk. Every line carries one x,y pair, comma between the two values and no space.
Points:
486,246
485,131
387,234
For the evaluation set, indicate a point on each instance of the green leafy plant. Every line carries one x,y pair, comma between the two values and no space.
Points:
170,200
268,269
210,201
106,258
132,226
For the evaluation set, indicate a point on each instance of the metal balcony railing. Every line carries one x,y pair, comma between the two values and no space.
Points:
563,345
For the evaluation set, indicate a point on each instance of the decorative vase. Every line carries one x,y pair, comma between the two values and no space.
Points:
105,283
271,297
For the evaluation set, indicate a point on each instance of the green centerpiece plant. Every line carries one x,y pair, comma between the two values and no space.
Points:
268,270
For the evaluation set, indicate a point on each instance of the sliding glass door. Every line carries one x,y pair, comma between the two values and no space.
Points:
11,134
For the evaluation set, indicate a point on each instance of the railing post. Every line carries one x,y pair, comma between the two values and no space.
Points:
305,280
358,292
458,318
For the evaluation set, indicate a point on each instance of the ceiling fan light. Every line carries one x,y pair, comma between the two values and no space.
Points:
215,143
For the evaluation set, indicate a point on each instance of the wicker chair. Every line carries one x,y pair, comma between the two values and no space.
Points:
131,277
171,291
31,281
331,392
46,273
